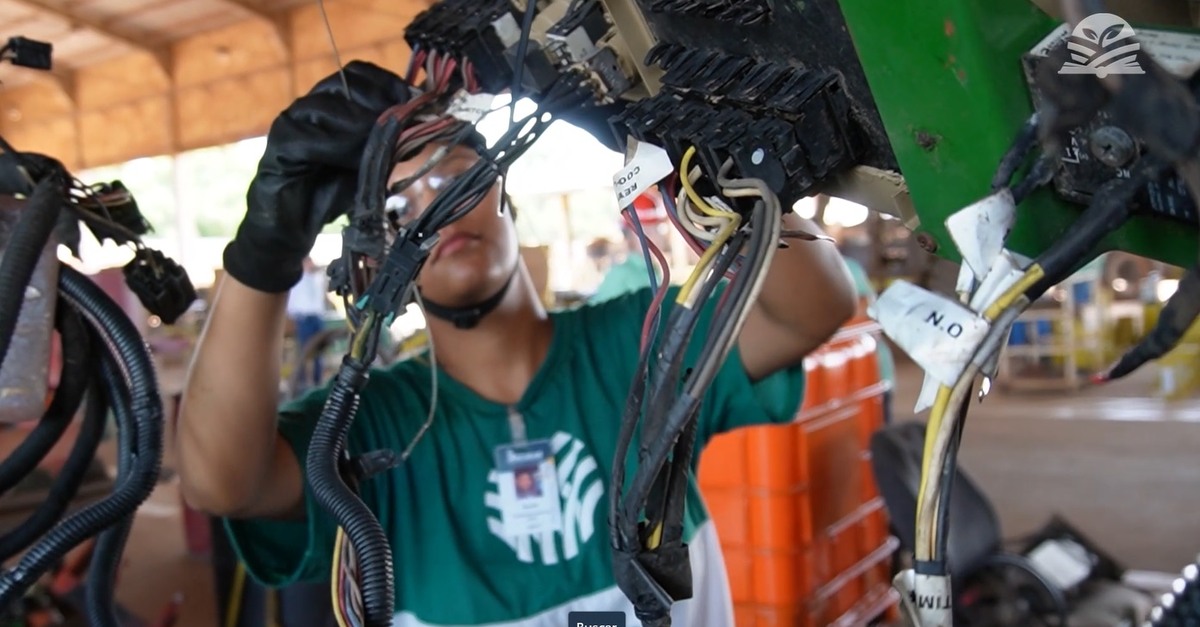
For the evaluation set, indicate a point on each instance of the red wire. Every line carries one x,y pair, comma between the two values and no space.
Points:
661,294
417,63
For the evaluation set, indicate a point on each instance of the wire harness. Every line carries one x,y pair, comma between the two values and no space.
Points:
998,306
736,231
384,249
106,367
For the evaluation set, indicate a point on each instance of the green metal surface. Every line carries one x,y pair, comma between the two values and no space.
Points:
946,76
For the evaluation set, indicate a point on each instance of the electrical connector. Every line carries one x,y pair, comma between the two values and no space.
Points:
391,287
161,284
789,126
30,53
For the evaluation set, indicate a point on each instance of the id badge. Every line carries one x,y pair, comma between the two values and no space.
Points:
529,500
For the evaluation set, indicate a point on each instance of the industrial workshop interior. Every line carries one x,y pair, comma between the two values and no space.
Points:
599,313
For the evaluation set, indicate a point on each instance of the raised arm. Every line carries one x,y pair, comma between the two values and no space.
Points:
808,294
233,462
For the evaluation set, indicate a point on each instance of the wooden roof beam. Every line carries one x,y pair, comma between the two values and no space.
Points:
137,41
277,21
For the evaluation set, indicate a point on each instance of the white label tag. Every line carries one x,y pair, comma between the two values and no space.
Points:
965,284
1005,271
929,389
648,165
979,229
935,604
925,600
1002,274
1063,562
470,108
528,489
937,332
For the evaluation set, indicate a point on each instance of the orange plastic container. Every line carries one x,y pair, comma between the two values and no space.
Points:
803,531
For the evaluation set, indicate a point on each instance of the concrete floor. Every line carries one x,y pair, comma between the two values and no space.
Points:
1122,467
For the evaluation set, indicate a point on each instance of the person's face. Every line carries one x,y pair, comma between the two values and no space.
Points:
475,255
524,481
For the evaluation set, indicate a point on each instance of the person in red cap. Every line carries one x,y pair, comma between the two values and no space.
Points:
633,273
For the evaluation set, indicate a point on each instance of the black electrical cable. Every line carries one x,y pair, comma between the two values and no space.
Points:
519,72
1108,210
24,250
714,350
949,470
106,557
719,343
125,345
651,600
522,50
72,383
70,477
1040,174
324,462
653,450
1175,319
1016,154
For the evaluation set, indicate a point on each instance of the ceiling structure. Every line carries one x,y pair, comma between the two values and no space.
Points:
134,78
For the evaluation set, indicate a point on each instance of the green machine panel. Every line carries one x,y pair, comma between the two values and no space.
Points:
947,78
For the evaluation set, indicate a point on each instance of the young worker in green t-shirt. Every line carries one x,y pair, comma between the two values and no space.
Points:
519,373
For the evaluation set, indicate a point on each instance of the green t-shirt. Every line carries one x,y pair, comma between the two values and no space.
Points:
628,276
453,563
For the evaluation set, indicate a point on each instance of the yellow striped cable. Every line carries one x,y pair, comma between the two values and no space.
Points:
336,576
937,433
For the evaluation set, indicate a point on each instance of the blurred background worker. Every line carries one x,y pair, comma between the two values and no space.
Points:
633,273
306,308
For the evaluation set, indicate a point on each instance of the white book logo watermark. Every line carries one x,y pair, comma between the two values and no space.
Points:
1102,44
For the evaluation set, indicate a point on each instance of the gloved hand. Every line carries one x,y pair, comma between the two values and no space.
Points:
308,173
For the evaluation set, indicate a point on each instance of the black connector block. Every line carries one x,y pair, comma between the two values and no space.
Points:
28,53
161,284
791,127
479,31
734,11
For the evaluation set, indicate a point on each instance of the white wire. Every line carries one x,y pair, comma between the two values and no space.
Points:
702,218
433,381
683,208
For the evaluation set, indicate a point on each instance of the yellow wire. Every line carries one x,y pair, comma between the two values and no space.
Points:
936,415
359,346
335,577
691,192
235,595
941,405
705,262
655,538
1034,274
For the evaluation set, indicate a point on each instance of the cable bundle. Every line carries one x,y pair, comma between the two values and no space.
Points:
646,522
104,361
1109,209
381,258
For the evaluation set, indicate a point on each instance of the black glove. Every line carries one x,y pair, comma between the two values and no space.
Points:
307,176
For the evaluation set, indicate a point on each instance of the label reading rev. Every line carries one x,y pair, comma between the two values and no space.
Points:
648,165
470,108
